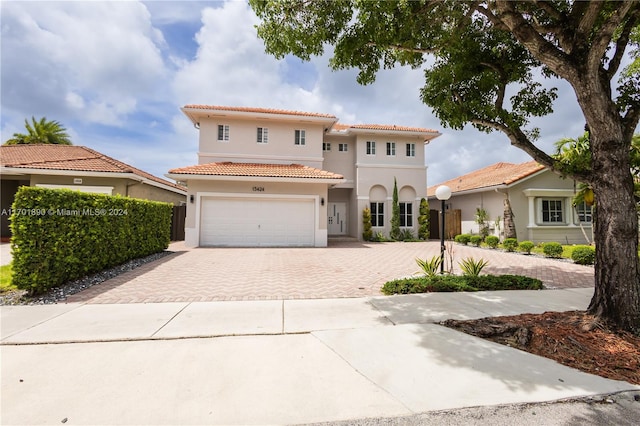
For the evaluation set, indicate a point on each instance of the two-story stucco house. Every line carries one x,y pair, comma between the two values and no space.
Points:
268,177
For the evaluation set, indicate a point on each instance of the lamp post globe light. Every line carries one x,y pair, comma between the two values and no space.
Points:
443,193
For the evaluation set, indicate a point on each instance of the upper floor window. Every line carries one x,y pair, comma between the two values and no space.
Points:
300,137
552,211
411,150
391,148
585,213
326,146
406,214
343,147
263,135
223,132
371,148
377,214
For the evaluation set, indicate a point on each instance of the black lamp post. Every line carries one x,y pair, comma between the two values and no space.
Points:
443,193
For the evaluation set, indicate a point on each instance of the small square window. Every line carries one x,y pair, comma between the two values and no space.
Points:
300,137
343,147
411,150
326,146
552,211
371,148
263,135
391,148
223,132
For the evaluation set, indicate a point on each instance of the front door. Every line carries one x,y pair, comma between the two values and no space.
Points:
337,219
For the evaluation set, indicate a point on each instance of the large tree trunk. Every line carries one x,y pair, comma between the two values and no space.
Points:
617,275
617,280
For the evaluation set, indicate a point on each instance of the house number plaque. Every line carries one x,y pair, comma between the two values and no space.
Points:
258,189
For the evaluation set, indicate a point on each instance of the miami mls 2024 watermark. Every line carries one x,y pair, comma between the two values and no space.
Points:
64,212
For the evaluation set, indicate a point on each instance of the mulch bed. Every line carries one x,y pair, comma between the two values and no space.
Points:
573,338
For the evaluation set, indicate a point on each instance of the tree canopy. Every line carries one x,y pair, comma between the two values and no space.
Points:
489,56
43,131
486,63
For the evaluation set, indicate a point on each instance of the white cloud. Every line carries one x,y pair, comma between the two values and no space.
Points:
106,53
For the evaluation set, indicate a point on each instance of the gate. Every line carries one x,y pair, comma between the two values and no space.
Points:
177,222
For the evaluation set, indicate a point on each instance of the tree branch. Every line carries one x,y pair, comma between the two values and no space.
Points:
590,12
621,43
520,140
543,50
603,37
549,9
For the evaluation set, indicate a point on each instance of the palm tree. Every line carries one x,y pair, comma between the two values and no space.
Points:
43,131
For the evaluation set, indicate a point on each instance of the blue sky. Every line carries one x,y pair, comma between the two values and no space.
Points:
116,73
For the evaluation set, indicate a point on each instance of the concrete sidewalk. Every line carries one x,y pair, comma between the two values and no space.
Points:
274,362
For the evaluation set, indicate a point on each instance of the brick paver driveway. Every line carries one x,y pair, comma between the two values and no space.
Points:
344,269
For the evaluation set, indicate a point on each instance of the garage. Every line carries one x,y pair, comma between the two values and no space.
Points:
257,222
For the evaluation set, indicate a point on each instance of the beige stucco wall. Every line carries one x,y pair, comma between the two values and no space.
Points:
491,201
341,162
242,145
150,192
125,187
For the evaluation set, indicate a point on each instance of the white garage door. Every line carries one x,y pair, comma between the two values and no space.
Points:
251,222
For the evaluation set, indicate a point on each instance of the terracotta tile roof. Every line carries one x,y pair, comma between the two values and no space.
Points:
69,158
340,127
256,170
392,127
494,175
259,110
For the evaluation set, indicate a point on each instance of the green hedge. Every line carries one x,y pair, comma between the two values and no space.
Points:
449,283
62,235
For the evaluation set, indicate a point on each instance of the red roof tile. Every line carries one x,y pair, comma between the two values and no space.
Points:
256,170
69,158
494,175
259,110
392,127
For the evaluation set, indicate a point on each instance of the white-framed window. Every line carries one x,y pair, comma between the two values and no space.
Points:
552,211
377,213
300,137
263,135
391,148
326,146
406,214
584,213
223,132
371,148
343,147
411,150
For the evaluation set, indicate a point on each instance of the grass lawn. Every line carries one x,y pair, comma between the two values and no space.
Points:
6,272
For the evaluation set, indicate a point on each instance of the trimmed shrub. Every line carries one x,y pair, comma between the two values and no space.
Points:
462,239
526,247
423,220
510,244
62,235
450,283
367,233
492,241
584,255
552,249
476,240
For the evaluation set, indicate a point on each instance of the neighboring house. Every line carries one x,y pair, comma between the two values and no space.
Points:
77,167
268,177
541,202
